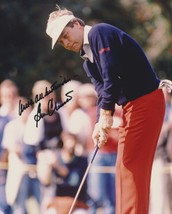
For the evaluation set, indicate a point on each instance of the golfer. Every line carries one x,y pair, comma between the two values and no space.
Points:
121,74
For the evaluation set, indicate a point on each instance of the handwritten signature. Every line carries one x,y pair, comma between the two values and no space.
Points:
39,97
52,106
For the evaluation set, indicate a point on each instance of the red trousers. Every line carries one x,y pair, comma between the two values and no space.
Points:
138,136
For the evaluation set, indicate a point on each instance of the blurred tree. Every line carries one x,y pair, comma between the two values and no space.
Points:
164,60
166,7
153,31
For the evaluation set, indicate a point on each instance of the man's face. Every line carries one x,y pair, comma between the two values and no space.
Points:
72,37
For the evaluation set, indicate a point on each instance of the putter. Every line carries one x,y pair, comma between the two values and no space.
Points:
83,179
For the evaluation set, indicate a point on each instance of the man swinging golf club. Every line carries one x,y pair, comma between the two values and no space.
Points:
121,74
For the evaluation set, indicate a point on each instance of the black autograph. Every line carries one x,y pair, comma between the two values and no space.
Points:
42,95
52,106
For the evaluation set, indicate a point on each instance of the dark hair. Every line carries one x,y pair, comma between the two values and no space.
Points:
71,23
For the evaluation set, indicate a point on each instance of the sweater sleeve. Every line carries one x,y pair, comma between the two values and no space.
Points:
106,48
93,74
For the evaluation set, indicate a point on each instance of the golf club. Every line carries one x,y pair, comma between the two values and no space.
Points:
83,179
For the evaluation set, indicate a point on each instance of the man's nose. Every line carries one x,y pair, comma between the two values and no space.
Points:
66,43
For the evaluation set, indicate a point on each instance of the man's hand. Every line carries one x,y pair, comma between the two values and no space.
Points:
101,129
105,119
99,135
95,135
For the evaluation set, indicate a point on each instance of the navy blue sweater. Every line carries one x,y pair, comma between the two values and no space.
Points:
120,72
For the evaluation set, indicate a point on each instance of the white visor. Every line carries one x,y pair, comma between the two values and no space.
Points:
55,27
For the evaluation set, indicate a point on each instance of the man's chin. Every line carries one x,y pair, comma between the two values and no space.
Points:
76,50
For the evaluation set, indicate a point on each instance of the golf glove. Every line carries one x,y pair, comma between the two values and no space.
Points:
99,136
105,119
167,84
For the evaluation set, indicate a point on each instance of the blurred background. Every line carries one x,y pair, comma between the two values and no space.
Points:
26,55
36,162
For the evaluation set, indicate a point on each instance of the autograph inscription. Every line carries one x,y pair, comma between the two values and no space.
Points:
52,105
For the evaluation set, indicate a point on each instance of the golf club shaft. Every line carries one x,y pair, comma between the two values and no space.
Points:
83,179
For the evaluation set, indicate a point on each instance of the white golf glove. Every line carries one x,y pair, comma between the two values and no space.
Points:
99,136
101,129
167,84
105,119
